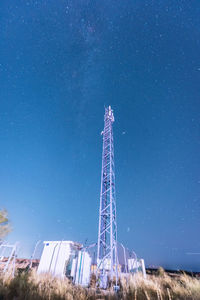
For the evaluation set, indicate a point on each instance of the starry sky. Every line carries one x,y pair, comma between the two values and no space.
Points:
61,63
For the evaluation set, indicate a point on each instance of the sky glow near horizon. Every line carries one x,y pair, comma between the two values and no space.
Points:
61,63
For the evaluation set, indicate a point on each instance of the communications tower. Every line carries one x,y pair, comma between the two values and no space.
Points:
107,259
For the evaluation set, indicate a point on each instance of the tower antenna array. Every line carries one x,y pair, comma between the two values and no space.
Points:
107,235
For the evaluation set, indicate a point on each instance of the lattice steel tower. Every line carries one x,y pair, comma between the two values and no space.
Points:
107,236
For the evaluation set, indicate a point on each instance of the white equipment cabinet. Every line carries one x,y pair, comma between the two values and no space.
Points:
83,269
135,265
56,257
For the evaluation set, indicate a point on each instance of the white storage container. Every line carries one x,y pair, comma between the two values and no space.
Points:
56,257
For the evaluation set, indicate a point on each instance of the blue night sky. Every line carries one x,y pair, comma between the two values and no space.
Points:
61,63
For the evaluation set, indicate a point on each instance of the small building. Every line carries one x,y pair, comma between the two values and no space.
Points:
66,259
57,257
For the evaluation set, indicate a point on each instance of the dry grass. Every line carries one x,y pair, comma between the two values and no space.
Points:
161,287
30,286
39,287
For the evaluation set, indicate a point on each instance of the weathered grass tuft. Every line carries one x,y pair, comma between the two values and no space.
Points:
30,286
161,287
39,287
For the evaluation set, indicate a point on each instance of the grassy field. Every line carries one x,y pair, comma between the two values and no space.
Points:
31,286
